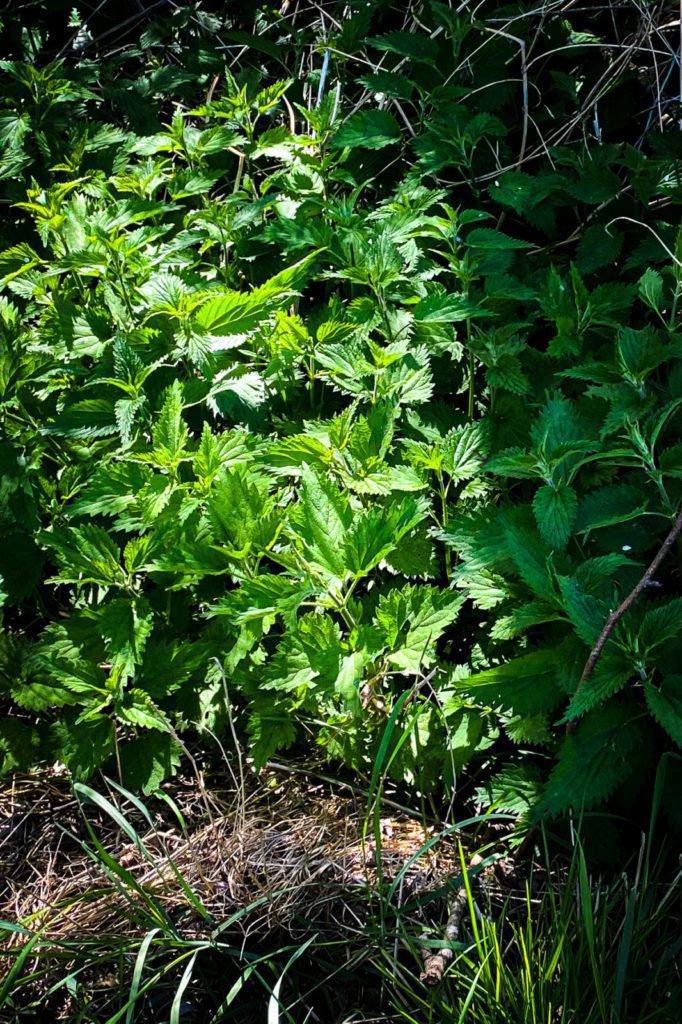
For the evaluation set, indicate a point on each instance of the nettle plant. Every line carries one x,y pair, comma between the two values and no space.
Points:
290,438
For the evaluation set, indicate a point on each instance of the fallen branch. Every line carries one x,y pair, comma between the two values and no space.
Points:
622,608
435,961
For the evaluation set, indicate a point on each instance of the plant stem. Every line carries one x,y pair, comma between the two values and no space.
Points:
443,491
470,405
620,611
117,752
238,175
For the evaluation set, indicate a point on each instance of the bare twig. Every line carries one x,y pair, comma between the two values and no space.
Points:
436,961
620,611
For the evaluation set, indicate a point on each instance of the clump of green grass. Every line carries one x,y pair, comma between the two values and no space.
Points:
572,950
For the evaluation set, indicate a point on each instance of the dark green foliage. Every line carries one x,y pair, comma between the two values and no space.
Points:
293,426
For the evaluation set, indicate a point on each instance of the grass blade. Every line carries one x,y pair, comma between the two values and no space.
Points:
137,972
184,982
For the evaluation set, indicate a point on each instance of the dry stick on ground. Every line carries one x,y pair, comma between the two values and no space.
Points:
622,608
435,962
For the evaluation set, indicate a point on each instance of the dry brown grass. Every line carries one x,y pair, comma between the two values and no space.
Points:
295,853
274,861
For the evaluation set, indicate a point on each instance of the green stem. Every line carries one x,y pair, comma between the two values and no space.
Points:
443,492
658,480
117,752
238,176
347,618
381,299
343,606
311,378
673,312
472,386
124,291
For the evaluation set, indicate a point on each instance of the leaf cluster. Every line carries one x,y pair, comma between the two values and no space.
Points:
303,410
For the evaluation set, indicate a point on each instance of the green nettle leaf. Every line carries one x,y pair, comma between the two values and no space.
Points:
594,572
412,621
86,554
126,411
371,129
533,729
446,309
263,597
62,675
530,558
170,431
376,533
535,613
660,625
594,762
91,417
220,452
84,746
308,657
525,686
464,450
233,313
651,288
494,241
464,730
611,674
407,44
514,462
557,424
586,613
137,708
371,435
639,352
595,184
665,704
555,509
598,247
608,506
291,453
414,555
389,84
271,728
241,512
515,789
149,760
321,521
125,627
19,745
235,389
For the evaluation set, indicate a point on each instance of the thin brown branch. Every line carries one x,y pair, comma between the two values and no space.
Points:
620,611
435,962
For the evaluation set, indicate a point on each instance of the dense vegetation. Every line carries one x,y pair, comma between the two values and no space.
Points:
340,391
346,389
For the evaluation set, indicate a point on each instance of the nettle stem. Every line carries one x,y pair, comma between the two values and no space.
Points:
472,386
238,175
117,752
443,492
471,362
